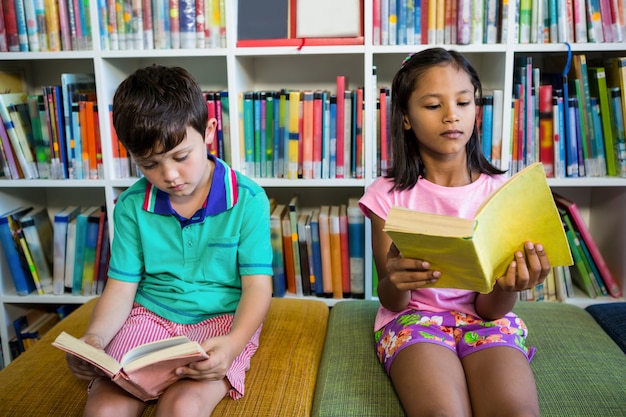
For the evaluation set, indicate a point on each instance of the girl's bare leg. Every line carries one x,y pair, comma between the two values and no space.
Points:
430,381
107,399
191,398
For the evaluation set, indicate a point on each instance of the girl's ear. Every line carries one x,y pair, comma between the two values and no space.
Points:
210,131
406,124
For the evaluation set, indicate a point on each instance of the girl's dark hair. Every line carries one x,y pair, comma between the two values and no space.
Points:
406,164
153,107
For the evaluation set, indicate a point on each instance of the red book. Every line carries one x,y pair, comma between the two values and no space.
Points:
318,128
307,134
345,251
579,223
384,154
10,25
299,42
4,47
359,148
546,140
342,85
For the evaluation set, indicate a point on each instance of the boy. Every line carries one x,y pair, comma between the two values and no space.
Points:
191,252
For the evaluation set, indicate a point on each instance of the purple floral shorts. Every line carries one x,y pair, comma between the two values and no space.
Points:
459,332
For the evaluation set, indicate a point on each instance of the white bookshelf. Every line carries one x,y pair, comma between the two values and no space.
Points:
240,69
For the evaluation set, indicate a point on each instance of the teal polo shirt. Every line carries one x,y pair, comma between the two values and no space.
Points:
189,270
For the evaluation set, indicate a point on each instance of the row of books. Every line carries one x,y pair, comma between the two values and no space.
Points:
488,123
64,254
462,22
45,25
580,21
320,252
573,125
162,24
589,273
34,324
54,134
304,134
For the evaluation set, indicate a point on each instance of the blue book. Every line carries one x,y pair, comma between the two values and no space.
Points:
560,158
356,248
333,136
316,253
325,135
402,21
59,226
617,121
20,17
187,16
18,266
94,217
572,142
487,125
80,248
598,137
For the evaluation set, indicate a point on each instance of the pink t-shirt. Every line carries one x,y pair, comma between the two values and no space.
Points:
432,198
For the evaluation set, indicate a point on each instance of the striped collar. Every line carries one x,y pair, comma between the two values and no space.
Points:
222,196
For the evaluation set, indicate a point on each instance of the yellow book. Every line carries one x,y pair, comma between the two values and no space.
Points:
334,233
294,136
472,254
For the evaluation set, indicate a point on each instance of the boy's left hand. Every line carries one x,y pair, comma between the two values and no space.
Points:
527,270
221,357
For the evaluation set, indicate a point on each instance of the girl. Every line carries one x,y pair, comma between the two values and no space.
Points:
448,352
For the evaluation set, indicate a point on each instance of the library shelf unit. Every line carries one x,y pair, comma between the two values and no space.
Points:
601,200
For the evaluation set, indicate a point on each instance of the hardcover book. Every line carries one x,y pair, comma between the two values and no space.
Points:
472,253
145,371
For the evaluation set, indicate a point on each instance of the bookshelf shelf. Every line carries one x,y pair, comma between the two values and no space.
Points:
239,69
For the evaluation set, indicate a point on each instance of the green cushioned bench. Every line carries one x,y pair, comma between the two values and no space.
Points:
579,369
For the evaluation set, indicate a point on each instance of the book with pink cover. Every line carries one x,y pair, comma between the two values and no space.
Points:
145,371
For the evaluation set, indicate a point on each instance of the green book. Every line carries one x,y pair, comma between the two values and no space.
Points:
598,89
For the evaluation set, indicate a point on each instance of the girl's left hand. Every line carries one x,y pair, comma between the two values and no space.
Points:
527,270
221,357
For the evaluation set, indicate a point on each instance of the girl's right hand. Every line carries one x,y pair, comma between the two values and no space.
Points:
83,369
408,274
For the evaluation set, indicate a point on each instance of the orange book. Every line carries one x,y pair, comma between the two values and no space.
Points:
88,135
145,371
327,270
334,232
290,270
345,251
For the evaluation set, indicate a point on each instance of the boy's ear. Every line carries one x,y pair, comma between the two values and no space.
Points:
210,131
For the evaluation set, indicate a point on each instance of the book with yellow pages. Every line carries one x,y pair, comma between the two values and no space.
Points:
472,254
145,371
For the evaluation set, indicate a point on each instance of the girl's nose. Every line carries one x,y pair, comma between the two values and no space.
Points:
450,115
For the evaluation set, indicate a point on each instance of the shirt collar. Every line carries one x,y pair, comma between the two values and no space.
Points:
222,196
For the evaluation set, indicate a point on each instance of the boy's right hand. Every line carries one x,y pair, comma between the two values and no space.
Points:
408,274
83,369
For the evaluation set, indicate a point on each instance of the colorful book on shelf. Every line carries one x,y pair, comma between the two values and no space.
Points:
41,138
316,253
290,271
546,136
294,210
356,248
73,85
145,371
334,233
59,227
345,251
14,126
278,265
326,251
578,271
18,266
581,226
37,230
80,245
11,168
94,220
341,88
464,250
617,123
598,89
308,279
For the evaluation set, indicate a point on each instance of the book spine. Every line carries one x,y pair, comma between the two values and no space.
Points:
22,281
546,136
